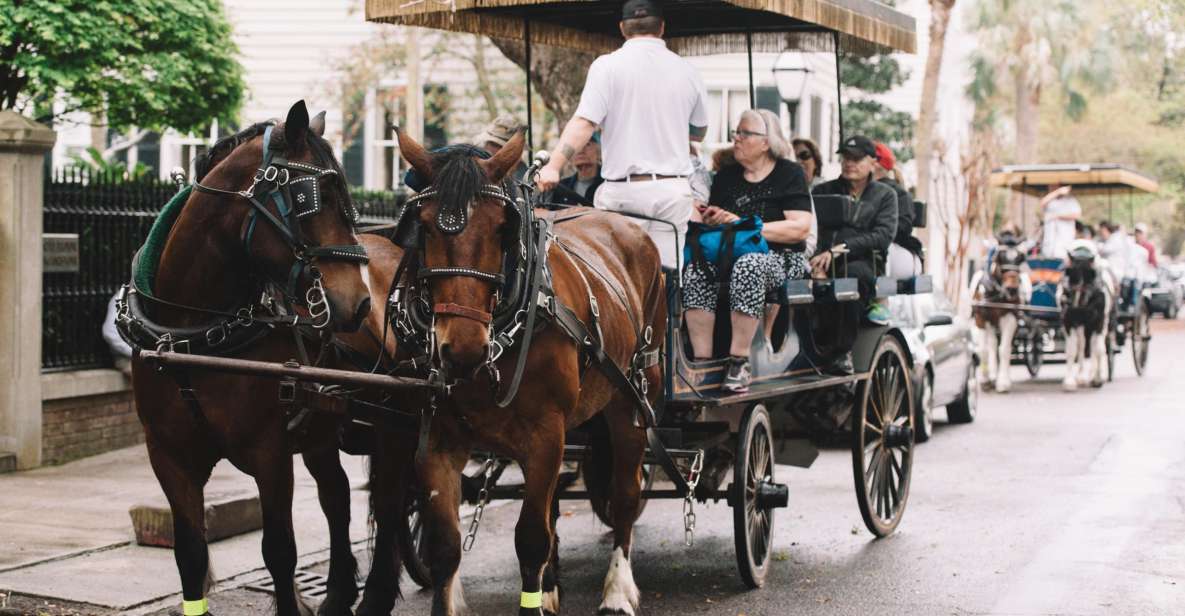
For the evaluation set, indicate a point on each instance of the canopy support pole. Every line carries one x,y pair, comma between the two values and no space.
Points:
1024,206
838,85
752,86
527,41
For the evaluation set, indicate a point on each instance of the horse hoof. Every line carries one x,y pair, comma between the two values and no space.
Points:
1069,385
1096,383
333,607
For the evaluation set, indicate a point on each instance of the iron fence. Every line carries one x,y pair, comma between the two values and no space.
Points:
111,216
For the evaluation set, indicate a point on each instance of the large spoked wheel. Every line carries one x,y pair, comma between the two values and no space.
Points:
1141,335
882,444
413,548
755,496
1034,354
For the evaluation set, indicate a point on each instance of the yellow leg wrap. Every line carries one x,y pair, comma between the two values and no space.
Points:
195,608
531,599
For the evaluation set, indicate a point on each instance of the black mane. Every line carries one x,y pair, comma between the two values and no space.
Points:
224,146
458,177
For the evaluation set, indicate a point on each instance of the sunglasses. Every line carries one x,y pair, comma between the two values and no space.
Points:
804,155
733,134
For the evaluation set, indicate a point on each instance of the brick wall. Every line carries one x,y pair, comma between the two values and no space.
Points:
87,425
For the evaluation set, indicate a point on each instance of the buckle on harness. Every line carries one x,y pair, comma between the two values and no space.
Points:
287,393
216,335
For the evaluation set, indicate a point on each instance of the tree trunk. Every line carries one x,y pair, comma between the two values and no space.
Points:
1028,105
483,77
940,11
557,74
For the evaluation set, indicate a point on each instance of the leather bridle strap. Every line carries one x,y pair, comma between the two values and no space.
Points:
457,310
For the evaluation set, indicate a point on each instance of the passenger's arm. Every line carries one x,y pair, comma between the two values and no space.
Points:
576,134
862,242
795,228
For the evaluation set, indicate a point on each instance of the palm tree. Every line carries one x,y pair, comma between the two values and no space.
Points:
940,11
1028,49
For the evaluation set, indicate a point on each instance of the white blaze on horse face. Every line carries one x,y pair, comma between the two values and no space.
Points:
620,594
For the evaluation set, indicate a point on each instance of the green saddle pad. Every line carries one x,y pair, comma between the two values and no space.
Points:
154,244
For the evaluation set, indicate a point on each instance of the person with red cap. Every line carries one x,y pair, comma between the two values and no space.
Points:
905,253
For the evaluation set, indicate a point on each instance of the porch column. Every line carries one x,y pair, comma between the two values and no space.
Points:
23,144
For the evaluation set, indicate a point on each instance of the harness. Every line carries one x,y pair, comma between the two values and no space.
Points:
525,303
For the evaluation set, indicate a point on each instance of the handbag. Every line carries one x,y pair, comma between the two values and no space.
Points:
708,243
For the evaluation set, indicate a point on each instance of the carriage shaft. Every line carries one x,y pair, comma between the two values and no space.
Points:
278,370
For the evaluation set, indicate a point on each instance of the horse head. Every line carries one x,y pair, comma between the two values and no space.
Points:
290,213
1081,269
467,223
1006,271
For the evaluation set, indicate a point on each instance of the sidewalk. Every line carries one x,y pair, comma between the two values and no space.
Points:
65,531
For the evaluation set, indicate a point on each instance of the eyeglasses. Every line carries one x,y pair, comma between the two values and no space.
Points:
804,155
734,134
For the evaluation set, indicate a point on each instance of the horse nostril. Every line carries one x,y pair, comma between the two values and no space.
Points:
362,311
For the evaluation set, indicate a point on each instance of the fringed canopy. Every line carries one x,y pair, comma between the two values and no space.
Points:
694,27
1088,179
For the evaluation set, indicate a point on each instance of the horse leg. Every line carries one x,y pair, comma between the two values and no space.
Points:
182,476
1007,332
532,534
620,594
551,573
991,352
441,494
1098,359
388,473
273,476
333,491
1070,382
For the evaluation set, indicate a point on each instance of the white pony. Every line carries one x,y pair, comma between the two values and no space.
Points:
1003,284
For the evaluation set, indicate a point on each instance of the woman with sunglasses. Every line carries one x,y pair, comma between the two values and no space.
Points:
756,179
807,155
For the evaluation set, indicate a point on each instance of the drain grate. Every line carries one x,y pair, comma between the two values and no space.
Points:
310,585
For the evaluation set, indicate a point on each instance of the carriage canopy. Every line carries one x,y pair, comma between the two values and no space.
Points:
1087,178
694,27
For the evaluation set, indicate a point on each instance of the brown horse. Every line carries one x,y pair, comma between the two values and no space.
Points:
1003,285
218,252
600,261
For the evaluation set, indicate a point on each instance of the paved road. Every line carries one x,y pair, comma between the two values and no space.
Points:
1050,503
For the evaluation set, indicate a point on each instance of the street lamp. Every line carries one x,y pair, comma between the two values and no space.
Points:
791,74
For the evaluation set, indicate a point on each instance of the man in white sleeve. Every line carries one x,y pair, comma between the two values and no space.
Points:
649,104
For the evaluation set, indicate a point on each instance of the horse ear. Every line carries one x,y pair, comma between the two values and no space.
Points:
415,155
506,159
295,127
317,124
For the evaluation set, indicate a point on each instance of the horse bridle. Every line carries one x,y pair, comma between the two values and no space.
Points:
452,220
292,186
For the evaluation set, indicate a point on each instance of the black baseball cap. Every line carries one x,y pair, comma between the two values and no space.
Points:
858,145
636,9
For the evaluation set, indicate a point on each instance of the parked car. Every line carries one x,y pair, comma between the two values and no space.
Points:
945,359
1165,297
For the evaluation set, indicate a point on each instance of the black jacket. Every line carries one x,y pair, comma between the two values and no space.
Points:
559,196
874,223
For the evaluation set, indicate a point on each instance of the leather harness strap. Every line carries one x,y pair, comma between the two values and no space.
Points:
464,312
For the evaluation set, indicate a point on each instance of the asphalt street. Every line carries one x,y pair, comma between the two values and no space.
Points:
1050,503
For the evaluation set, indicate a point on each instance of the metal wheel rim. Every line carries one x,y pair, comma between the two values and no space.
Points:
753,523
883,472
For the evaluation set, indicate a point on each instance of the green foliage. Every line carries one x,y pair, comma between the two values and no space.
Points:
92,159
148,63
865,116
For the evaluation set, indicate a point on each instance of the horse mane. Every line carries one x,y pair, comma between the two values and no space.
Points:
224,146
458,177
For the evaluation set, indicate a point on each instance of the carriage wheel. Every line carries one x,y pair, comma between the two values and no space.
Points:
882,443
754,496
597,471
413,548
1034,354
925,409
1140,337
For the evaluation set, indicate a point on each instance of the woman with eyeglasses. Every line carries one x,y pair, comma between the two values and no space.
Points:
755,178
807,155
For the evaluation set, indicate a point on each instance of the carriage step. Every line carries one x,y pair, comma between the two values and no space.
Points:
836,290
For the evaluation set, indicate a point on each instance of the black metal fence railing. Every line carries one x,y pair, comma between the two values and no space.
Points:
111,216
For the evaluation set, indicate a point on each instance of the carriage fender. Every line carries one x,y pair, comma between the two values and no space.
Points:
867,341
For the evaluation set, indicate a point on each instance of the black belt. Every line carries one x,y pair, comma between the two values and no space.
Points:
645,177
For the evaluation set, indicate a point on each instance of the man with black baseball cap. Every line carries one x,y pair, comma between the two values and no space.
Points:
872,228
649,104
